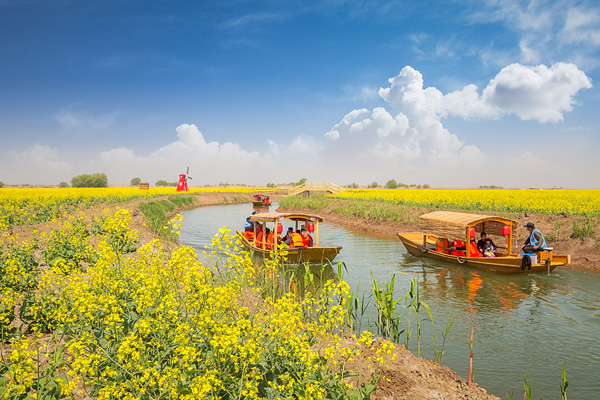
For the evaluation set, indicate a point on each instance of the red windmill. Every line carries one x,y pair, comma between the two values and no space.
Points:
182,185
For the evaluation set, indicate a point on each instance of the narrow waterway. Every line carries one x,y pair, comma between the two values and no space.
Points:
529,324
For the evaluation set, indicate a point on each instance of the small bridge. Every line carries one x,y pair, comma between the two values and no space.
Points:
308,187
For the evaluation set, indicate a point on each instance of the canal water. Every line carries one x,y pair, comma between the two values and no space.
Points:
529,323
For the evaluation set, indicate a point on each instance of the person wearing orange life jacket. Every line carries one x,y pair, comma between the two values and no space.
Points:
473,250
295,240
259,239
306,238
271,239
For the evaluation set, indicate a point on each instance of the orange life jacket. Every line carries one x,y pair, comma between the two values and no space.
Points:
306,240
458,243
442,246
248,234
258,240
270,239
473,250
297,240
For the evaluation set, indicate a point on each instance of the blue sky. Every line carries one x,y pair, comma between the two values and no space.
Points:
449,93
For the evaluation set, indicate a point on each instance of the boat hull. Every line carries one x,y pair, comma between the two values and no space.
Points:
503,264
311,255
260,203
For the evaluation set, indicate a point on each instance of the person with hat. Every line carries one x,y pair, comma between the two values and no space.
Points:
535,242
249,225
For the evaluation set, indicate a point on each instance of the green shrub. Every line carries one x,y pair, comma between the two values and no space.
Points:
583,230
93,180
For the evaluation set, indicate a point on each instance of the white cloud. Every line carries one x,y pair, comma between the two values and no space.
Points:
547,30
38,164
537,92
70,119
209,162
413,137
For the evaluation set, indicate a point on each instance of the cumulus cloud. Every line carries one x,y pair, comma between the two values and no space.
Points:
537,92
412,136
209,161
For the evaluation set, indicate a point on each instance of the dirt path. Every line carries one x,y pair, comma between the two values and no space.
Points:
585,254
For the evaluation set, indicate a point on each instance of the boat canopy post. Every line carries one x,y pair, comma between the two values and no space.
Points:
509,245
316,233
275,236
468,242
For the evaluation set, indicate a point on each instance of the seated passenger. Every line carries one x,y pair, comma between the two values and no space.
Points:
488,249
306,238
258,242
295,240
271,237
287,235
535,242
473,250
482,240
249,225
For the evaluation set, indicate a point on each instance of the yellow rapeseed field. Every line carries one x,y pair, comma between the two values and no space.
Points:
577,202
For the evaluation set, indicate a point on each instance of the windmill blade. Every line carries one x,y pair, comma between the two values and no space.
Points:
189,177
188,170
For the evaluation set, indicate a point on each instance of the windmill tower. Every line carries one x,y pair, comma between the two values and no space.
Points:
182,185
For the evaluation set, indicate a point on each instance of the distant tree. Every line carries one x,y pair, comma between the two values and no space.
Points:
391,184
374,185
162,182
93,180
63,185
419,186
301,181
136,182
412,185
270,185
353,185
426,186
1,184
402,185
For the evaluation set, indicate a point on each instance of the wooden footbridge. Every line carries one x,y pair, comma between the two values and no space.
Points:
307,187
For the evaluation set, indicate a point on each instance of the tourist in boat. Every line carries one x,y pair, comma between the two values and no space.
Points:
249,225
306,238
287,235
473,250
488,248
481,244
295,240
535,242
271,239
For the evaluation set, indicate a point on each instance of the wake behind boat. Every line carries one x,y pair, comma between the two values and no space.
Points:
449,236
262,244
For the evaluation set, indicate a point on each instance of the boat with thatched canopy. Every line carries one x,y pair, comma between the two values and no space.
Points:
260,200
278,223
447,235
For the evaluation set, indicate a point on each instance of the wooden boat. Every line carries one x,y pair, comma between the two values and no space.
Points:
260,200
440,230
275,220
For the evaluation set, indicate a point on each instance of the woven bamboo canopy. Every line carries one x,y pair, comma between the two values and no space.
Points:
275,216
455,226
